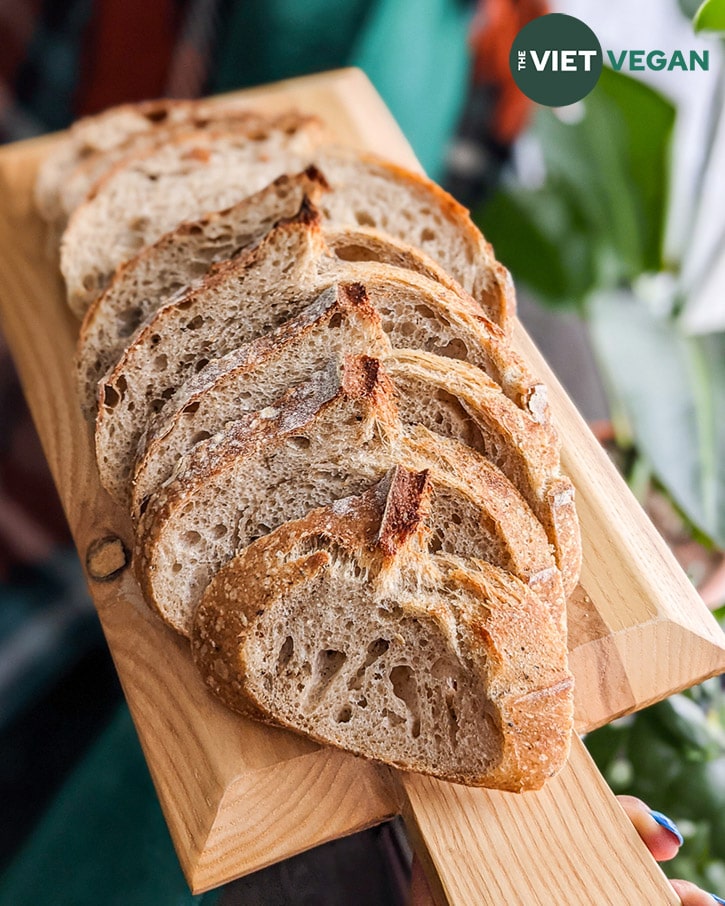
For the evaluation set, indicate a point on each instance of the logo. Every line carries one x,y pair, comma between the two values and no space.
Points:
556,60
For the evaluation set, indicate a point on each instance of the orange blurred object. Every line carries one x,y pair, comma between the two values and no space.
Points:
494,28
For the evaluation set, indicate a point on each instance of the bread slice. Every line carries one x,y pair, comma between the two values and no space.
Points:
141,199
325,439
257,292
368,191
339,323
342,626
176,262
447,397
215,116
190,176
94,144
454,399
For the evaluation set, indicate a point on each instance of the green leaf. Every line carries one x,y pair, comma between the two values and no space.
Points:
599,219
672,388
686,724
710,16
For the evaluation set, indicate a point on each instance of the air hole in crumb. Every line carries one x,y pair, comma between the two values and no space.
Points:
191,538
191,408
364,219
406,689
427,235
454,349
176,568
302,442
344,715
335,321
201,364
286,651
219,531
328,664
161,363
110,397
200,436
195,323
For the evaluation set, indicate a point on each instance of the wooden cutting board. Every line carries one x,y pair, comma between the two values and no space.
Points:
237,795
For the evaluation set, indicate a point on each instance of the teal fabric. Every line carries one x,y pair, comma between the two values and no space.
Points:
104,840
413,51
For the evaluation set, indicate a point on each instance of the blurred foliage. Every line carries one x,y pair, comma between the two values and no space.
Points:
597,221
710,16
672,756
588,234
591,236
672,389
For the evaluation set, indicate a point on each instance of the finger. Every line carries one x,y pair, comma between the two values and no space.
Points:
420,894
694,896
660,835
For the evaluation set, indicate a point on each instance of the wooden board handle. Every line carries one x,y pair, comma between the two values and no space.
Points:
567,844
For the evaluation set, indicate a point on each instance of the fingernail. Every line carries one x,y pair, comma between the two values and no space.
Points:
717,898
668,824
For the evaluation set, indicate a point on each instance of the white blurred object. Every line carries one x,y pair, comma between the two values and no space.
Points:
659,25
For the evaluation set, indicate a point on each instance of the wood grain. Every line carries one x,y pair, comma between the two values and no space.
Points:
237,795
569,843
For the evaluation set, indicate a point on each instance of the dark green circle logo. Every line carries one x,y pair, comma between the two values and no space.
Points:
556,60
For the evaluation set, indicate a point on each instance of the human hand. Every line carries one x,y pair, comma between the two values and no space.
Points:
659,834
663,840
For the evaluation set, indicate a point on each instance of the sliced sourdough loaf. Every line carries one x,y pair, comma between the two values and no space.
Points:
447,397
325,439
257,292
191,176
342,626
141,199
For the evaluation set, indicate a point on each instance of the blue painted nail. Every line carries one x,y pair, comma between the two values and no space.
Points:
668,824
717,899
